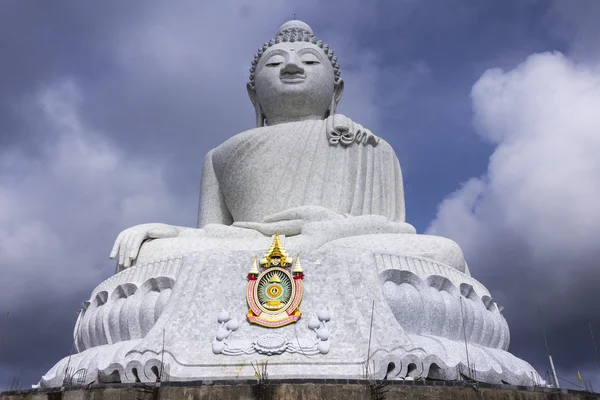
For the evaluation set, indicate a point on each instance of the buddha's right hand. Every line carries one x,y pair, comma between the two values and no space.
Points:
128,243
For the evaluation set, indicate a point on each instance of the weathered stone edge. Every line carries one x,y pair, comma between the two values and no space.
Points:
365,382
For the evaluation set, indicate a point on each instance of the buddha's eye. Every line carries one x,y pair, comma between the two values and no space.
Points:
274,61
310,59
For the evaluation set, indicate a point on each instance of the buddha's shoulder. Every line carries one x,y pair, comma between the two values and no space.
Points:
242,136
269,134
264,134
248,140
238,140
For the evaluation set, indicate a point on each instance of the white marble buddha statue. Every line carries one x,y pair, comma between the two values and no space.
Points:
313,175
379,300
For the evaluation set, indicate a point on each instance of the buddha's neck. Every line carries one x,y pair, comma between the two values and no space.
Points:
285,119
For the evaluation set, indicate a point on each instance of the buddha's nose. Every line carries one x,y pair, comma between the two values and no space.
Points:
292,66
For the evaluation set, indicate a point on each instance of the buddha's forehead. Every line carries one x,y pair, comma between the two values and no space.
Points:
298,47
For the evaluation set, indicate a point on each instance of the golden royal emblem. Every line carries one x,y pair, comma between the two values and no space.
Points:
275,290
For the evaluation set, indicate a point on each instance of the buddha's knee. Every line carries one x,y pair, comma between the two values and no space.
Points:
155,250
435,248
168,248
444,250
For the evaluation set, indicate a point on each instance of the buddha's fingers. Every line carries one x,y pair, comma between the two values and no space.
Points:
127,263
123,249
133,237
115,248
129,240
114,251
135,244
134,249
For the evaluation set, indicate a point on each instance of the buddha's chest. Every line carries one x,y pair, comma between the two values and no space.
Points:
258,171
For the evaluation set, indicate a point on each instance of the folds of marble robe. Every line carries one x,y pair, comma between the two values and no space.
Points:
333,163
194,308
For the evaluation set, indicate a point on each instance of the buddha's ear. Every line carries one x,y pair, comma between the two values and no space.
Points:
338,90
252,94
260,118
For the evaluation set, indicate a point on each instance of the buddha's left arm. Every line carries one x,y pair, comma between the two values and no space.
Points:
212,207
399,207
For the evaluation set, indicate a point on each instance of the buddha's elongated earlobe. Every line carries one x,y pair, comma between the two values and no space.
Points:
335,99
331,109
260,117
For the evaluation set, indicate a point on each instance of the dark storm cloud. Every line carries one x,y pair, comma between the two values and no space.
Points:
107,114
59,212
42,42
107,109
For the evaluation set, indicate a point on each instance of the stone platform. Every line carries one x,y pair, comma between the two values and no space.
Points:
399,313
302,389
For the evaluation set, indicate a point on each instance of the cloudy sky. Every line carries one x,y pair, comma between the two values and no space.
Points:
493,107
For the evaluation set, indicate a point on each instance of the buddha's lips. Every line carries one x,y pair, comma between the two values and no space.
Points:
291,78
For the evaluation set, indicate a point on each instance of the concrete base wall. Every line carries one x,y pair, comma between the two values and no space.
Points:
282,391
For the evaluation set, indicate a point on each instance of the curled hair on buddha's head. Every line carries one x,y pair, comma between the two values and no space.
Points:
295,31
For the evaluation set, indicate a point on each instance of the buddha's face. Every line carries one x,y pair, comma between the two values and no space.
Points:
275,260
294,81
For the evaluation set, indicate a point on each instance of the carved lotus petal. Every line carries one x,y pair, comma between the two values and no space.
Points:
271,341
271,344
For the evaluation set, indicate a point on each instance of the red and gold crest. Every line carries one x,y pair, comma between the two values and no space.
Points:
275,289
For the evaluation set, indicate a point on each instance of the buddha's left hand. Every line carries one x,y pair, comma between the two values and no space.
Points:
290,222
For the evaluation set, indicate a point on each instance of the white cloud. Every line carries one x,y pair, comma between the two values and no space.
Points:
542,183
530,226
63,202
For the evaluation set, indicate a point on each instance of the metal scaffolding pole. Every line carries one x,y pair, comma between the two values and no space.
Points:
594,342
556,384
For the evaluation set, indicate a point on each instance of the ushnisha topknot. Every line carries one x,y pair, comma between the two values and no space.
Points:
295,31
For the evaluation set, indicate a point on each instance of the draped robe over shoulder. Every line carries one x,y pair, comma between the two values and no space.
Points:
334,163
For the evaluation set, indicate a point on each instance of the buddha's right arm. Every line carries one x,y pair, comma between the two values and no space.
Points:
212,208
212,211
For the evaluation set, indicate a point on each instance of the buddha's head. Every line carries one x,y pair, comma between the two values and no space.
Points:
294,77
